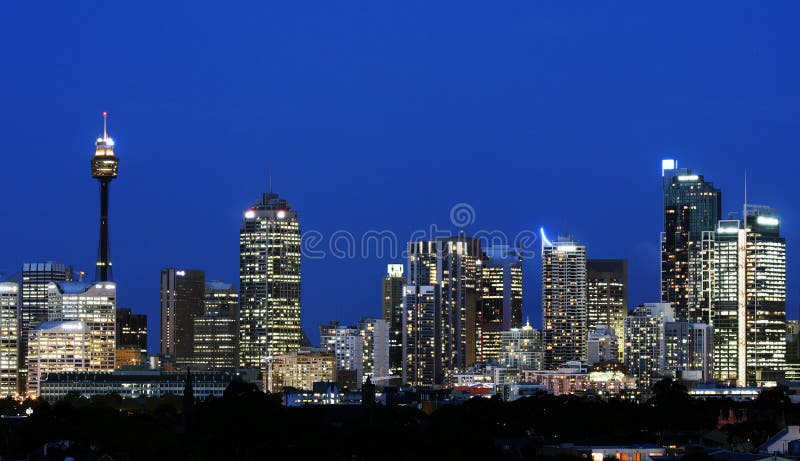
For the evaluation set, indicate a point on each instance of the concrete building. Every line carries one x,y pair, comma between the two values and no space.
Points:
299,370
9,339
602,345
521,348
182,300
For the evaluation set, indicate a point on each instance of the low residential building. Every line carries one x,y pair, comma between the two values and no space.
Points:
300,370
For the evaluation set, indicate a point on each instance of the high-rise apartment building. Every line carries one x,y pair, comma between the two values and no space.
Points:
392,299
521,348
691,206
376,335
422,336
607,296
269,281
9,338
216,333
95,305
688,351
564,330
346,344
602,345
645,341
500,302
182,300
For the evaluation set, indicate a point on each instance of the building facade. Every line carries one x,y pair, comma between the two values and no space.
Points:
56,347
377,337
500,302
645,342
131,337
602,345
269,281
95,305
9,338
392,299
33,304
182,300
564,330
521,348
300,370
607,296
691,206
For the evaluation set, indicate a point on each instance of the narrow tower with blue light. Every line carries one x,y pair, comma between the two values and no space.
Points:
104,169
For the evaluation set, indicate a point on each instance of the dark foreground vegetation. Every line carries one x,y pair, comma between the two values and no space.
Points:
246,424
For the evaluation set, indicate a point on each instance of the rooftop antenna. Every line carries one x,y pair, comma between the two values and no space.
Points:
105,129
744,211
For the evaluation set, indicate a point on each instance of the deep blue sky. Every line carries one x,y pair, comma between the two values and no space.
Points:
383,115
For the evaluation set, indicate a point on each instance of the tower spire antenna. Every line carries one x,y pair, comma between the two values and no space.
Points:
105,125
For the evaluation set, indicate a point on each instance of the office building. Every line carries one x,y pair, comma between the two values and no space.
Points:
94,304
602,345
221,299
9,338
500,302
691,206
133,384
104,169
269,281
564,330
182,300
55,347
645,342
392,291
214,343
521,348
33,305
749,302
450,266
131,329
607,295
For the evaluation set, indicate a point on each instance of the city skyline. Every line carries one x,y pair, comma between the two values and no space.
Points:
718,131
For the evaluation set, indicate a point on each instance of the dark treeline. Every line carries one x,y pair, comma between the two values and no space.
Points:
249,425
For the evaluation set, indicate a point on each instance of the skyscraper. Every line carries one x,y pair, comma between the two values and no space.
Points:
104,169
392,291
500,302
564,332
750,299
182,300
9,338
602,345
269,281
33,305
451,266
93,304
691,206
347,344
521,348
607,296
688,350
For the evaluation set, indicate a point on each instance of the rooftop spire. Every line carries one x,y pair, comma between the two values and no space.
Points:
105,125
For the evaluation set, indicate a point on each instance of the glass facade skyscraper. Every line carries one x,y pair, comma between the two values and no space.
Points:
269,281
500,303
607,296
182,300
691,206
9,338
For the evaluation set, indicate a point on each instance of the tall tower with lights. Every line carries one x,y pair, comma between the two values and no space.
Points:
269,277
104,169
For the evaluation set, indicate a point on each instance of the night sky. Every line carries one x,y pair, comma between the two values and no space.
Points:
380,115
